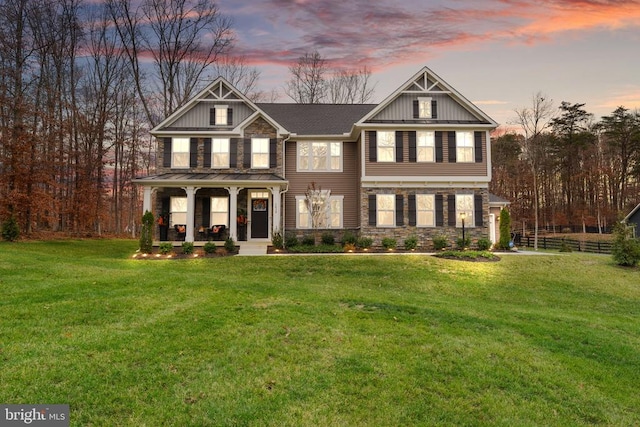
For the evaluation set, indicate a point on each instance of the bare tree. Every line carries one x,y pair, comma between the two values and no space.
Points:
316,200
307,84
350,86
240,75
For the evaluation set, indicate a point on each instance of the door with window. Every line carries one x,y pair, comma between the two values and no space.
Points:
259,215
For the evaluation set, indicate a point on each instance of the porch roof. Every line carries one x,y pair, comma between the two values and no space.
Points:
211,180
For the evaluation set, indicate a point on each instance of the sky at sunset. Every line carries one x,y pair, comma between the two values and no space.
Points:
497,53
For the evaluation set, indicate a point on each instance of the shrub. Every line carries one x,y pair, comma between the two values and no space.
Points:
564,247
505,230
365,242
187,248
10,230
165,248
411,243
440,242
349,238
277,240
625,249
230,245
463,243
320,249
349,247
467,255
146,234
308,240
484,244
328,238
291,240
389,243
209,248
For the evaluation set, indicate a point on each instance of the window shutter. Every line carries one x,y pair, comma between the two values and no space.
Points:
373,146
166,156
412,209
439,210
413,154
233,153
477,136
451,202
439,149
399,210
212,116
416,109
434,109
230,116
247,153
452,146
206,211
372,209
207,153
478,210
193,153
399,147
273,153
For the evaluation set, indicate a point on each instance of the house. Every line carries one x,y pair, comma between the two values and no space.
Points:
633,219
496,204
418,163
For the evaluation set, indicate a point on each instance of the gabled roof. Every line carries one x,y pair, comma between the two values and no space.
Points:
497,200
628,217
427,82
316,119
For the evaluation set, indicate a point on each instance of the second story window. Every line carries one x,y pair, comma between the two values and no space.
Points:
386,146
180,153
260,153
425,146
319,156
220,153
424,108
220,115
464,147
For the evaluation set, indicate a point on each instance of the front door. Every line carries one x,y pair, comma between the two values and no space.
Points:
259,218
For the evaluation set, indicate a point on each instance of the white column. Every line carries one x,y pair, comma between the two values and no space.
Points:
233,212
277,209
191,209
146,200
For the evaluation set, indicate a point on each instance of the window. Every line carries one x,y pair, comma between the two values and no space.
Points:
424,108
464,204
180,153
220,211
386,146
386,206
221,115
425,146
319,156
259,152
220,153
331,219
425,210
178,210
464,147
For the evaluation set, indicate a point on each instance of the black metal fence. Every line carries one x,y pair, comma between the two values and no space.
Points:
598,247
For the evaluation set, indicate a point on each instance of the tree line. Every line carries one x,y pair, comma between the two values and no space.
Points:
560,167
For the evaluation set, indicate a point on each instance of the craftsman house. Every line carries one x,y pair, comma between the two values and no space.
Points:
417,164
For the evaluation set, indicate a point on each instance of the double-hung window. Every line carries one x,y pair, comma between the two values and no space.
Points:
222,115
386,208
178,210
464,206
425,210
320,156
424,108
425,146
329,215
220,211
386,146
464,147
180,153
220,153
260,153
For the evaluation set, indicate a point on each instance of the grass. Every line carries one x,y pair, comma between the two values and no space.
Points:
318,340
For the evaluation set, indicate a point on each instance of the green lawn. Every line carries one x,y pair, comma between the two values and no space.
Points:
318,340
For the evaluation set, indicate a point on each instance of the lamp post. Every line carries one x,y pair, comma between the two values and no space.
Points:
463,215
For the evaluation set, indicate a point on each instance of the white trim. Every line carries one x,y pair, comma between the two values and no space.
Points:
474,181
310,157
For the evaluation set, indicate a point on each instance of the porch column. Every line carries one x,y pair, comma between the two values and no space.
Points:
233,212
146,200
191,209
277,209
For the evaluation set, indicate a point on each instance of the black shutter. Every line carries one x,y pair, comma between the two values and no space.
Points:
166,156
233,153
399,147
399,210
212,116
247,153
207,153
452,146
193,153
439,210
373,146
412,209
230,116
413,152
416,109
439,149
434,109
372,209
273,153
478,210
478,146
451,201
206,211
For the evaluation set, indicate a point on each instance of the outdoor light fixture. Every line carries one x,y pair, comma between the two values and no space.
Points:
463,215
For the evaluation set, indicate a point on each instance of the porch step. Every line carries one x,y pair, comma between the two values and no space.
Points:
253,249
